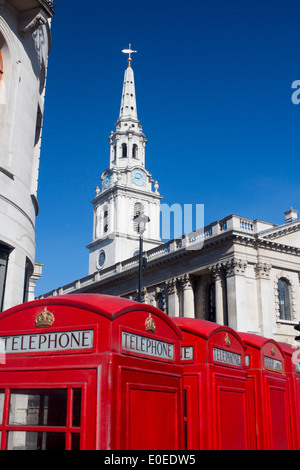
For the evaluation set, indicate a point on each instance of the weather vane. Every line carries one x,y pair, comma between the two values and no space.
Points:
128,51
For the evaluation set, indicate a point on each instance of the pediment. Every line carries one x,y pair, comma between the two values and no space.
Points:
287,234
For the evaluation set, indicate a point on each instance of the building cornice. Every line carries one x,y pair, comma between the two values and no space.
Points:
282,231
189,246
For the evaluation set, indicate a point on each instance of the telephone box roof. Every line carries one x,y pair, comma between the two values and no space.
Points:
204,328
108,306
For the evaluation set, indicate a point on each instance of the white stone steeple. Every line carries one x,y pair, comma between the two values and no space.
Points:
128,109
128,141
127,189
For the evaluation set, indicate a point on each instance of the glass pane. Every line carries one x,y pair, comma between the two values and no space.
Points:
76,407
23,440
2,394
38,407
75,442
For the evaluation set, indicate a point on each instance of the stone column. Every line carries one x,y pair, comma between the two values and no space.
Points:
37,273
129,147
217,275
188,297
265,307
173,300
236,293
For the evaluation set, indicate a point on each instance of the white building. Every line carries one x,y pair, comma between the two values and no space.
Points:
239,272
25,42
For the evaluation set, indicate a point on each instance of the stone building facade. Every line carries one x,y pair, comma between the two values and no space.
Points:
25,42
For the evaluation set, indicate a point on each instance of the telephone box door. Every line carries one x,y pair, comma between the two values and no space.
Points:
149,411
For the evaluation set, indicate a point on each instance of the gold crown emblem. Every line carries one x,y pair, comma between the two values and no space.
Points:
227,341
150,325
273,352
44,319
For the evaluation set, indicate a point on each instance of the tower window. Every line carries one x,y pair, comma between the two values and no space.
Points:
124,151
135,151
105,219
284,299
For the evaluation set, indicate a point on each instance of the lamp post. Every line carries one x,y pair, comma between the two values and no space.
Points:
141,219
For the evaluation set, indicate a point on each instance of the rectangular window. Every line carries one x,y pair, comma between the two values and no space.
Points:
38,408
40,419
4,254
27,440
2,395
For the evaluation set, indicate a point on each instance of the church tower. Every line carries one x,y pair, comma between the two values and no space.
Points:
127,189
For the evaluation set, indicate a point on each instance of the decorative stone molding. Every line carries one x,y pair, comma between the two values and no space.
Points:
186,282
30,21
144,296
235,266
217,271
171,286
284,275
161,299
262,270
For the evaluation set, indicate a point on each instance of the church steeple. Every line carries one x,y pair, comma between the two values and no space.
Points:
127,189
128,103
128,141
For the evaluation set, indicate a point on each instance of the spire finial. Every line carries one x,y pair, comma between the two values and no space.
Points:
128,51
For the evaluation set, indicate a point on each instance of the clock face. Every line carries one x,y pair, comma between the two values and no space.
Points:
138,177
101,259
107,180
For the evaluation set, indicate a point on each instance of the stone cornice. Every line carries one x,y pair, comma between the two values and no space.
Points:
258,242
282,231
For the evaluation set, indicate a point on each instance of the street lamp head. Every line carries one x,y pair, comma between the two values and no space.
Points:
141,219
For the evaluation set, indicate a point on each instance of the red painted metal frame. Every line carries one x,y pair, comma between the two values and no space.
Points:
121,389
292,357
268,395
214,389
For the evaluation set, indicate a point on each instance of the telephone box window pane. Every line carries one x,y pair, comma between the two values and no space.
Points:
38,407
76,407
2,394
27,440
75,442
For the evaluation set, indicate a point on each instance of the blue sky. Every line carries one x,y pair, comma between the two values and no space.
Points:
213,83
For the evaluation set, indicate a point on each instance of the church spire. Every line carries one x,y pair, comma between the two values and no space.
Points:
128,103
128,142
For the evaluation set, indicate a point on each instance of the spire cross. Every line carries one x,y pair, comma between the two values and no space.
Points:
128,51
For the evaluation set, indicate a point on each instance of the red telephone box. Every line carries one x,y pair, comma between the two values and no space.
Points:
90,372
215,385
268,394
292,370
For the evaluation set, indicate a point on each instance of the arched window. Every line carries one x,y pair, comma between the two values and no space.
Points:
284,297
105,219
134,151
211,303
124,151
